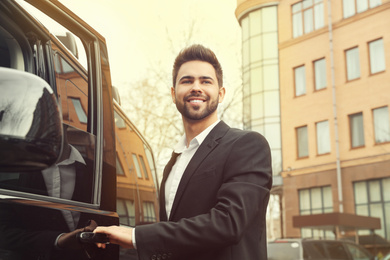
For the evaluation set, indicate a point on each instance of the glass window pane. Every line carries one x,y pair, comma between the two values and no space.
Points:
119,121
374,3
137,167
304,200
319,20
303,145
255,22
381,124
374,191
353,64
144,167
122,212
348,8
245,28
130,212
386,189
387,219
245,53
269,19
376,210
361,6
300,81
149,213
308,18
362,210
320,74
119,168
360,190
297,25
328,197
82,116
377,56
255,48
357,130
316,199
307,3
323,138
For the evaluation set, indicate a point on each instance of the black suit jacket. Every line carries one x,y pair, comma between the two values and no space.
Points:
220,205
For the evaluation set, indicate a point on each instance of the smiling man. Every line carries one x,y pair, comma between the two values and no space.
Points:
215,188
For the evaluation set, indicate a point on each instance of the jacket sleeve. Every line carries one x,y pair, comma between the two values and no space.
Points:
242,199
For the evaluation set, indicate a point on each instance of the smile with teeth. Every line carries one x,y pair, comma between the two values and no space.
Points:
196,101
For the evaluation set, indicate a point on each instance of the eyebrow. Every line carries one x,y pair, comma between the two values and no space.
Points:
191,77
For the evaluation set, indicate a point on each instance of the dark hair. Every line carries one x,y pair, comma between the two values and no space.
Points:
197,52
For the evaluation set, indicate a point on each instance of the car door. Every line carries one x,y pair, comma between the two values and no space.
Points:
38,204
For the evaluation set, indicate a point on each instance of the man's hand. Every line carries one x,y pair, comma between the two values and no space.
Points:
117,235
71,241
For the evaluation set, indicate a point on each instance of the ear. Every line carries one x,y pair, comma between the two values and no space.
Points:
173,94
221,94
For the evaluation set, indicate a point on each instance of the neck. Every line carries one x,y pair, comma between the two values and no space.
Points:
192,128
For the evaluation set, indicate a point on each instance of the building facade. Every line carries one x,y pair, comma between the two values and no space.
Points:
316,84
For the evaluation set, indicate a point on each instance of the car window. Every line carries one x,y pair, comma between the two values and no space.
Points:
357,253
284,251
313,250
336,250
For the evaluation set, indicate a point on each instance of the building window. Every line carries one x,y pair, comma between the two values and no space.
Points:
352,7
137,167
323,138
126,212
81,115
377,56
302,142
381,124
149,212
353,63
144,167
300,81
315,201
356,130
307,16
119,121
320,74
373,199
119,168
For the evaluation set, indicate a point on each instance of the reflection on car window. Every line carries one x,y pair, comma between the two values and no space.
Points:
126,212
71,177
72,89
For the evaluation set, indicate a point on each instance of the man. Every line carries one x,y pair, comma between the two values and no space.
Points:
213,201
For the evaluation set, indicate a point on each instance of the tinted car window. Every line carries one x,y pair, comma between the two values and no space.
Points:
284,251
336,250
357,253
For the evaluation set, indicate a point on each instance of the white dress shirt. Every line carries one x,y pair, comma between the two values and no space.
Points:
186,154
177,171
60,180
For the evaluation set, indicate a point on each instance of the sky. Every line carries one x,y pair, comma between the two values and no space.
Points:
143,35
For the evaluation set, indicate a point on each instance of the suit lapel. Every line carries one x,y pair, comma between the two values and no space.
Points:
208,145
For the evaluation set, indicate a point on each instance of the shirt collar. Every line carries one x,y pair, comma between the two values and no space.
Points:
74,156
198,140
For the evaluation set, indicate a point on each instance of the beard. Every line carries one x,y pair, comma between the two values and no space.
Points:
194,112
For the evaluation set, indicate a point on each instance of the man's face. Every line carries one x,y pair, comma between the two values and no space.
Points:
197,93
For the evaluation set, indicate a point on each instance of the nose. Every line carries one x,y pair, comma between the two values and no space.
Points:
196,87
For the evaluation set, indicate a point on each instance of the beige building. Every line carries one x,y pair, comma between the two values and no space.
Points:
317,85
